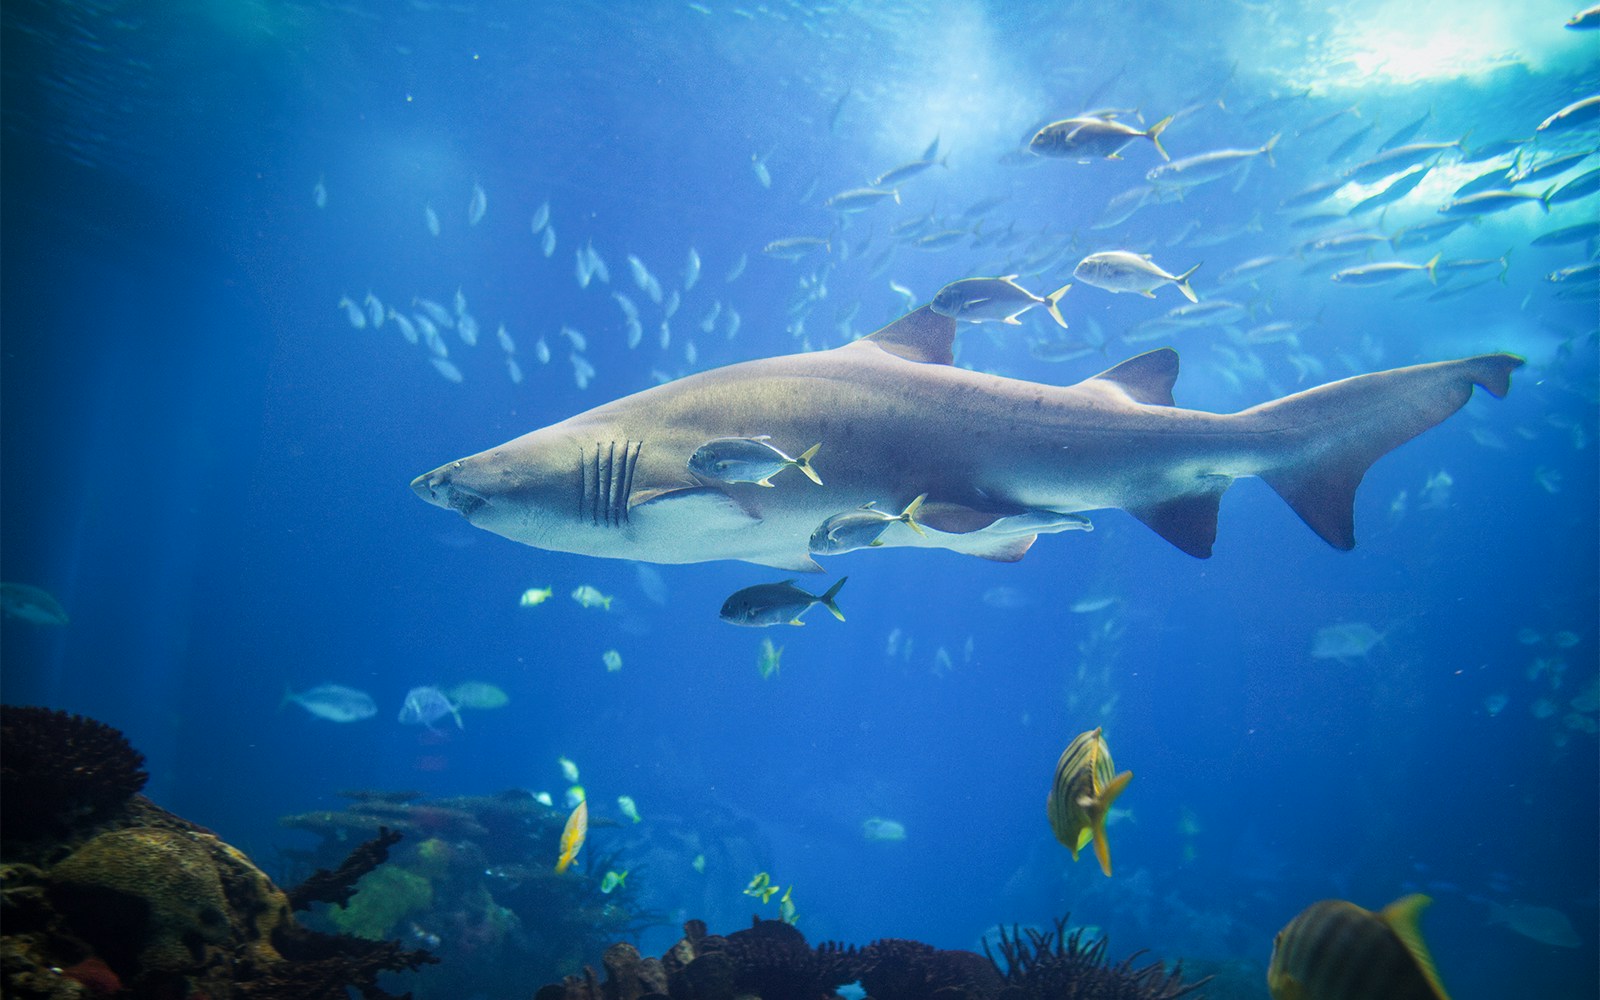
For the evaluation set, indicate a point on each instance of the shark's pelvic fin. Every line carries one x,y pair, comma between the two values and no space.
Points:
923,336
1189,522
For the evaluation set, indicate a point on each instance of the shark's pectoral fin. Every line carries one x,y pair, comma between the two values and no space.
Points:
704,509
958,518
1189,522
801,563
1007,549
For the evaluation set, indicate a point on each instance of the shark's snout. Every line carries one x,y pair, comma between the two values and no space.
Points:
439,488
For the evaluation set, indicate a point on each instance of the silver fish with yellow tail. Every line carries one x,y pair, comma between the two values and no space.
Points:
1082,795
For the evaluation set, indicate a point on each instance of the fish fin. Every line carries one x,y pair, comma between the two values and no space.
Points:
921,335
1147,378
1099,810
767,482
803,463
957,519
909,515
1153,133
1011,549
1012,320
1188,521
1182,282
827,598
1053,304
803,564
1147,293
1084,836
1338,430
711,508
1401,917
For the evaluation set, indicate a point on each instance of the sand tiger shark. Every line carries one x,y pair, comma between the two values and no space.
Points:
1001,460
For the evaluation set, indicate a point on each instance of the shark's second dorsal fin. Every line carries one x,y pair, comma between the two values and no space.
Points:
1147,378
922,335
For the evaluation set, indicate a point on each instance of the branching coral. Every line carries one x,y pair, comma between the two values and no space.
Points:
58,769
1055,965
772,960
338,885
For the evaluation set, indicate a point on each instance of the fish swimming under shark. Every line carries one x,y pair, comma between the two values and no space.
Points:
1001,460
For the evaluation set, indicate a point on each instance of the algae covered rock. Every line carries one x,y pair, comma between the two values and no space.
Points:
383,897
154,893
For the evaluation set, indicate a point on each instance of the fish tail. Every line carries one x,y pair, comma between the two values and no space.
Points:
1102,808
1333,433
1053,303
1182,281
1154,135
909,515
1432,266
1505,264
1267,149
563,863
288,689
803,463
826,600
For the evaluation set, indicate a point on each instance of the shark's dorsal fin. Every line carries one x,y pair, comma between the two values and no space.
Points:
922,335
1147,378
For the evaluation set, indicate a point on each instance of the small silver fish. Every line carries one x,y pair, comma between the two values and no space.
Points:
749,460
776,604
427,705
861,528
1086,138
1123,271
994,300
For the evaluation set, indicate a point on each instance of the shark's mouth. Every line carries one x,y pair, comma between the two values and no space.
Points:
605,479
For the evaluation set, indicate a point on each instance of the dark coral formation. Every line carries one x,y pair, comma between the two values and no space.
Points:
110,895
771,960
338,885
1055,965
57,769
475,880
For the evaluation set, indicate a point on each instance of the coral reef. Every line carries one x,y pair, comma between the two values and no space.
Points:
58,769
476,886
1055,965
771,960
338,885
107,894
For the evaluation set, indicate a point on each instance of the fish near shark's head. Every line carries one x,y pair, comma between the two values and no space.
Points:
538,489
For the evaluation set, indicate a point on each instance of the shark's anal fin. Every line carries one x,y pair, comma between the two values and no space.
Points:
921,335
1147,378
1189,522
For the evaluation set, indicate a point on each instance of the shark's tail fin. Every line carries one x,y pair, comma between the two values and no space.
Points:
1338,430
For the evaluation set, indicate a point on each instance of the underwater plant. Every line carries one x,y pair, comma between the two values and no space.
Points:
771,959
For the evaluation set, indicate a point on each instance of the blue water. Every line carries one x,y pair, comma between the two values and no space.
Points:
208,465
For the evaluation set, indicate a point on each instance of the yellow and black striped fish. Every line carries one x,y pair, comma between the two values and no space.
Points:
1335,950
1082,795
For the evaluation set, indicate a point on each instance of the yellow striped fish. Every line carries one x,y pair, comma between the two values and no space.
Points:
1082,796
1335,950
572,836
